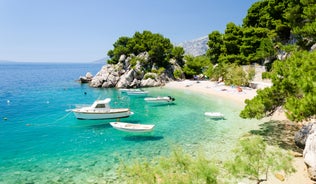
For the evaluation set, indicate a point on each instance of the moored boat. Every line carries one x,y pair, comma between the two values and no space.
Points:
125,90
164,99
132,127
101,109
214,115
137,93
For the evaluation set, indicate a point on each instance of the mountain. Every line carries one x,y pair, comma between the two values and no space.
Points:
103,60
196,47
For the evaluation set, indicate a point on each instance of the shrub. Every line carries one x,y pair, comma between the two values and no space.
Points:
179,167
254,159
177,74
149,76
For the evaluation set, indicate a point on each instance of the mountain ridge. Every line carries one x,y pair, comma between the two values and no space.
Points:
195,47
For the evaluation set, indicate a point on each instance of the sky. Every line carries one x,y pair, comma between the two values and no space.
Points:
85,30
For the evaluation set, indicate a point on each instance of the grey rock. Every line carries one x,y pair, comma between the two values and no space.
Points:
123,75
301,136
122,58
89,75
309,152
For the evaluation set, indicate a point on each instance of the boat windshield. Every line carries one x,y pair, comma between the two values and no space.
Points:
100,106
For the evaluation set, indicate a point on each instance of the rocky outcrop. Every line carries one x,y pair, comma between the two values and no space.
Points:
86,79
130,73
309,152
306,139
301,136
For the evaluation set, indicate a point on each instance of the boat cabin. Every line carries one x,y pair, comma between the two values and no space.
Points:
102,104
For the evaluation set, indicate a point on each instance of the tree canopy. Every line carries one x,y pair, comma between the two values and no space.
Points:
294,88
159,48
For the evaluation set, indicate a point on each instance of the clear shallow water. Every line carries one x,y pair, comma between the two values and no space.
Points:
41,142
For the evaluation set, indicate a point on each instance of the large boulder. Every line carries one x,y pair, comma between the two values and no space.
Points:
86,79
150,83
301,136
309,152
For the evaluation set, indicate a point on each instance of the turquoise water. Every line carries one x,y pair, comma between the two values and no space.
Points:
41,142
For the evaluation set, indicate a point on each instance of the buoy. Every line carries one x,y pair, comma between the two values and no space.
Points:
8,101
5,118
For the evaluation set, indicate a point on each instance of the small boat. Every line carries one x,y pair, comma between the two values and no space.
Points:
214,115
137,93
132,127
125,90
164,99
101,109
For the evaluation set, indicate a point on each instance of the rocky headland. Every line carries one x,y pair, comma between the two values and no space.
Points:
125,74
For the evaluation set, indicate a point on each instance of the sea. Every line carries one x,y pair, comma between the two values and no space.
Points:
41,141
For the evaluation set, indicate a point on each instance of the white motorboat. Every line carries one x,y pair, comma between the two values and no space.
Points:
125,90
101,109
132,127
214,115
137,93
159,99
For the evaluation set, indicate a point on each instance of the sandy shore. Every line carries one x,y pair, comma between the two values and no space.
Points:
212,88
228,92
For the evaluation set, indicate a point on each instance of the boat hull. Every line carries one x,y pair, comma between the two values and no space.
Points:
214,115
102,115
159,100
130,127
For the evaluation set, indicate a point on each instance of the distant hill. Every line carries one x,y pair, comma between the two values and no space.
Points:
102,60
196,47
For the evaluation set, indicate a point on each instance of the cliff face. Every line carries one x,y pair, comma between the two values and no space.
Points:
125,74
196,47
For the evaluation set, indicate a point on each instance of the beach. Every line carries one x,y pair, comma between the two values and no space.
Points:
239,96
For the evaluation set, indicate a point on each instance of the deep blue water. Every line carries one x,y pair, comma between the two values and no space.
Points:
42,142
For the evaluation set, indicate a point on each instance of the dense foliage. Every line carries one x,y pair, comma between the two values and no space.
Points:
160,49
268,25
195,65
294,87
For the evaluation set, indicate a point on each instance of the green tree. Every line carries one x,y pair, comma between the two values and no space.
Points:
214,44
158,48
302,17
293,88
270,14
195,65
120,48
251,42
254,159
266,50
232,39
178,54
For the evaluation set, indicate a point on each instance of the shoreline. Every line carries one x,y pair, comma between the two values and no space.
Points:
232,93
212,88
